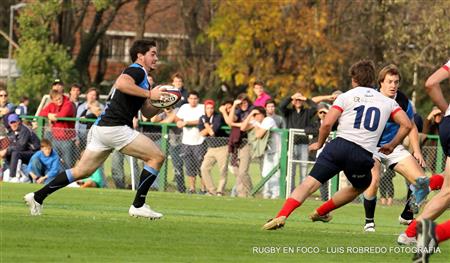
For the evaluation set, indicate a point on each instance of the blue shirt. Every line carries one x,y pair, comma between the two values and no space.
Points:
50,164
391,128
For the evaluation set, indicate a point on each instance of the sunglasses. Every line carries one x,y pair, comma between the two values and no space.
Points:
3,95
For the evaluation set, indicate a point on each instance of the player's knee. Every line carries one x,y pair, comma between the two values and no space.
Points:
158,157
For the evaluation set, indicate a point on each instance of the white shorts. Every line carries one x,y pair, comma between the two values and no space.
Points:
104,138
394,157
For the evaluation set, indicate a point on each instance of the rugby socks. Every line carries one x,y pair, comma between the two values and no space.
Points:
289,206
436,181
326,207
443,231
407,211
369,208
148,176
411,229
60,181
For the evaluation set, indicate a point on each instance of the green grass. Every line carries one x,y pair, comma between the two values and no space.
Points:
92,225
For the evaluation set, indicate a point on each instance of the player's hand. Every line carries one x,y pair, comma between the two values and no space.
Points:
314,146
157,93
420,159
386,149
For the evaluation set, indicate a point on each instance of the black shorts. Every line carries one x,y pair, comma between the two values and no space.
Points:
444,135
342,155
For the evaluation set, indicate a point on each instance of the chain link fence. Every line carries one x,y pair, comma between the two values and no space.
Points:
211,168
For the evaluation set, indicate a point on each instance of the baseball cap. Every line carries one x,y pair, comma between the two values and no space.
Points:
57,81
209,102
13,118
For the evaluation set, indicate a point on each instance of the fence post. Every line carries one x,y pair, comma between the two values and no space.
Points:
164,148
40,127
439,157
283,161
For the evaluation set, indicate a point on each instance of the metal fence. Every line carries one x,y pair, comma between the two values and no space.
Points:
224,173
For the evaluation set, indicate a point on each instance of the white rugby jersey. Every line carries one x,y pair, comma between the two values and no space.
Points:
447,67
364,113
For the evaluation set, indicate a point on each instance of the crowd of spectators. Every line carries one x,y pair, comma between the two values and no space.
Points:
196,142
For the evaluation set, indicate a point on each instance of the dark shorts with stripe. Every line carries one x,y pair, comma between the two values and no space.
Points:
444,135
342,155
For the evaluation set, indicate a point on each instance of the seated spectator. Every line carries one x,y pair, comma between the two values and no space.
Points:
44,164
23,144
93,181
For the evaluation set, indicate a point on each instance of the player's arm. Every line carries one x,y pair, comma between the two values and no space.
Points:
399,117
433,88
325,128
126,84
414,141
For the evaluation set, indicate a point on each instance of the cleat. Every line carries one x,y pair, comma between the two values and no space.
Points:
369,227
403,221
404,240
274,223
35,207
426,240
144,211
316,217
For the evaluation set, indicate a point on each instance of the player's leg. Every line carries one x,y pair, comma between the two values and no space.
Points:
428,236
370,197
145,149
90,161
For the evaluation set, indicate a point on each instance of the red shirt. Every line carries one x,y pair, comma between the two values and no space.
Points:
61,130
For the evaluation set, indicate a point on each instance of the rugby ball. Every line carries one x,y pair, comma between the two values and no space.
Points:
172,96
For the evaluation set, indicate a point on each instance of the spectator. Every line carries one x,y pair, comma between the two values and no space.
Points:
431,124
94,181
45,164
238,147
58,85
177,82
217,142
387,186
187,118
74,95
261,96
270,111
23,144
267,143
22,109
63,132
5,107
92,95
175,146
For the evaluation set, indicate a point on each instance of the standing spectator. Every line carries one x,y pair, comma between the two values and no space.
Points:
177,82
175,146
22,109
188,118
5,107
63,132
270,111
92,95
217,142
240,150
44,164
261,96
74,95
23,144
58,85
267,142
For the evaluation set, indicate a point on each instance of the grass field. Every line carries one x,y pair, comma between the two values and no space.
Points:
92,225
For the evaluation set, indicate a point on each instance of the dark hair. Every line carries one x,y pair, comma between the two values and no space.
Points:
389,69
227,101
244,96
24,98
258,82
271,101
261,110
193,92
363,73
76,85
97,93
177,75
54,93
140,47
46,143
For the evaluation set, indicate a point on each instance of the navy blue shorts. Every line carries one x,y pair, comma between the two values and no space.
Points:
342,155
444,135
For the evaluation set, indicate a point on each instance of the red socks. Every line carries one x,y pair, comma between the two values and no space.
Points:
289,206
436,181
443,231
326,207
411,229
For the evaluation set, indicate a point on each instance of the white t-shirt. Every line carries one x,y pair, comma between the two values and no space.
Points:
365,112
447,67
191,134
274,143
